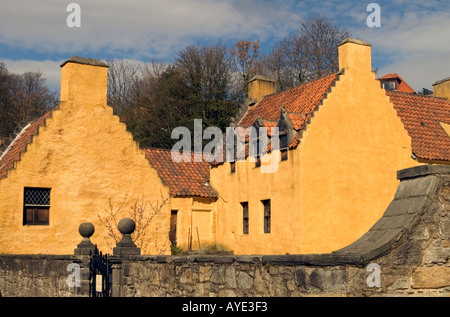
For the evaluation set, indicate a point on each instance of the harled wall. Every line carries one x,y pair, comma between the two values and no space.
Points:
90,162
335,184
408,249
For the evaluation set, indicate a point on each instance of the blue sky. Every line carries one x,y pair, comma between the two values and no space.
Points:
413,39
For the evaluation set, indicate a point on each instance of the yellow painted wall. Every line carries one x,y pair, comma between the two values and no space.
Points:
442,88
330,191
335,185
248,184
195,222
350,154
87,158
446,127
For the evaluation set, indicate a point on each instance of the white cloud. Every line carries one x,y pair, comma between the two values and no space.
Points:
413,40
144,28
414,43
414,34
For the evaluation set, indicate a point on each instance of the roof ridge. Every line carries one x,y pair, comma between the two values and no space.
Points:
416,95
337,74
309,82
325,82
420,115
18,135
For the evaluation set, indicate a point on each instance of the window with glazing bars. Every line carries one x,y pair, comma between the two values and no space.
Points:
232,167
258,151
244,217
267,216
36,207
284,146
173,227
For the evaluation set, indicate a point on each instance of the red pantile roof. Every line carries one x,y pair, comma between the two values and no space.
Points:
269,124
299,103
421,116
301,100
298,120
19,145
183,178
402,85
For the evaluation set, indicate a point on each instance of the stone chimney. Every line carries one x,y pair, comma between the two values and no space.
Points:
84,80
441,88
260,86
355,55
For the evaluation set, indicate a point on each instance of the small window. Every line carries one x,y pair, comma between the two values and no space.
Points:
284,146
257,147
257,155
173,227
230,155
244,217
267,216
390,85
258,161
284,154
36,206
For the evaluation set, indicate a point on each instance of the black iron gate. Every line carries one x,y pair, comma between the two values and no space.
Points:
100,275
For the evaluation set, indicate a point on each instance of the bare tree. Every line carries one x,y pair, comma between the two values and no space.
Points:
206,74
308,54
122,78
197,85
22,98
247,60
9,115
287,63
143,213
35,94
321,38
110,222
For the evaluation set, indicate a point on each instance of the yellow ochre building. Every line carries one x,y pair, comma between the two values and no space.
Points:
343,138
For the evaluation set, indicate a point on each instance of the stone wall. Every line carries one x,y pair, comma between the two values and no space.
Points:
406,253
35,275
